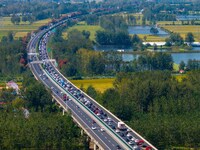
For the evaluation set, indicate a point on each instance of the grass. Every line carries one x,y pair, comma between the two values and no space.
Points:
99,84
83,26
19,30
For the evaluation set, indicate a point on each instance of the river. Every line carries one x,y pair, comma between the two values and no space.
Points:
177,57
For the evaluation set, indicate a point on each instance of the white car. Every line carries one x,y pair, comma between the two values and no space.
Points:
102,129
131,143
135,147
105,120
94,128
117,130
109,119
128,135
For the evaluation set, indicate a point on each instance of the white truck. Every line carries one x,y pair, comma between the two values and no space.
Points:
121,126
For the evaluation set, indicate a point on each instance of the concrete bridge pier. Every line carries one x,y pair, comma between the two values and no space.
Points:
95,146
82,132
63,112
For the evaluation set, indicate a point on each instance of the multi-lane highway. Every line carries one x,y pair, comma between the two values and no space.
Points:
100,124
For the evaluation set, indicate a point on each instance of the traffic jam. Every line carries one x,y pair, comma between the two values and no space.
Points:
119,127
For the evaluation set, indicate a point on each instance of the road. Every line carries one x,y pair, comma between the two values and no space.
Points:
90,115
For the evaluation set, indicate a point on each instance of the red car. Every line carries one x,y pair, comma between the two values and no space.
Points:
140,142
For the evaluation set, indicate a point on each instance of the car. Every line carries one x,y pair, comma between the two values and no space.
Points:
140,142
113,127
105,120
135,147
127,140
148,148
122,135
102,129
131,143
109,119
109,123
118,147
128,135
117,131
94,128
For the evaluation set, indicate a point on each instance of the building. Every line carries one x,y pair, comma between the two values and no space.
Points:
12,85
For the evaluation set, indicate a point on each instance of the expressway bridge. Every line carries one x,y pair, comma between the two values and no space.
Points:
88,121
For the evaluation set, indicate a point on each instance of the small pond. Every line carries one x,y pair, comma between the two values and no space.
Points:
145,30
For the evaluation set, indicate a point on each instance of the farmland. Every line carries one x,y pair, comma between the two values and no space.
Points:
83,26
99,84
184,29
19,30
152,38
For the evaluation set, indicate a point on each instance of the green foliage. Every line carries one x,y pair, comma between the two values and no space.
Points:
118,38
113,23
11,51
154,30
189,37
182,65
40,131
157,61
174,39
15,19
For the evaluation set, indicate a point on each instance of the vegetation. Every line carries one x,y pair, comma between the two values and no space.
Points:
164,110
162,107
45,128
13,55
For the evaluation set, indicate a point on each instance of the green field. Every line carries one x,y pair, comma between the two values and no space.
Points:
99,84
83,26
19,30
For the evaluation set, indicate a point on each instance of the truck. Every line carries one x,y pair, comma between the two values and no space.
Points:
121,126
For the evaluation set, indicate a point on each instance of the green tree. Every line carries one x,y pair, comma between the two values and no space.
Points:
189,38
182,65
154,30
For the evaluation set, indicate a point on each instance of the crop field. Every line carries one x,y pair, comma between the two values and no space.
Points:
184,29
19,30
83,26
99,84
151,38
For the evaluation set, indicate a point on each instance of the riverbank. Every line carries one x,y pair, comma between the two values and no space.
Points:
151,51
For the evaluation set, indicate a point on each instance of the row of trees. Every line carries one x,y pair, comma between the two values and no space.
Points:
190,65
177,40
17,19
